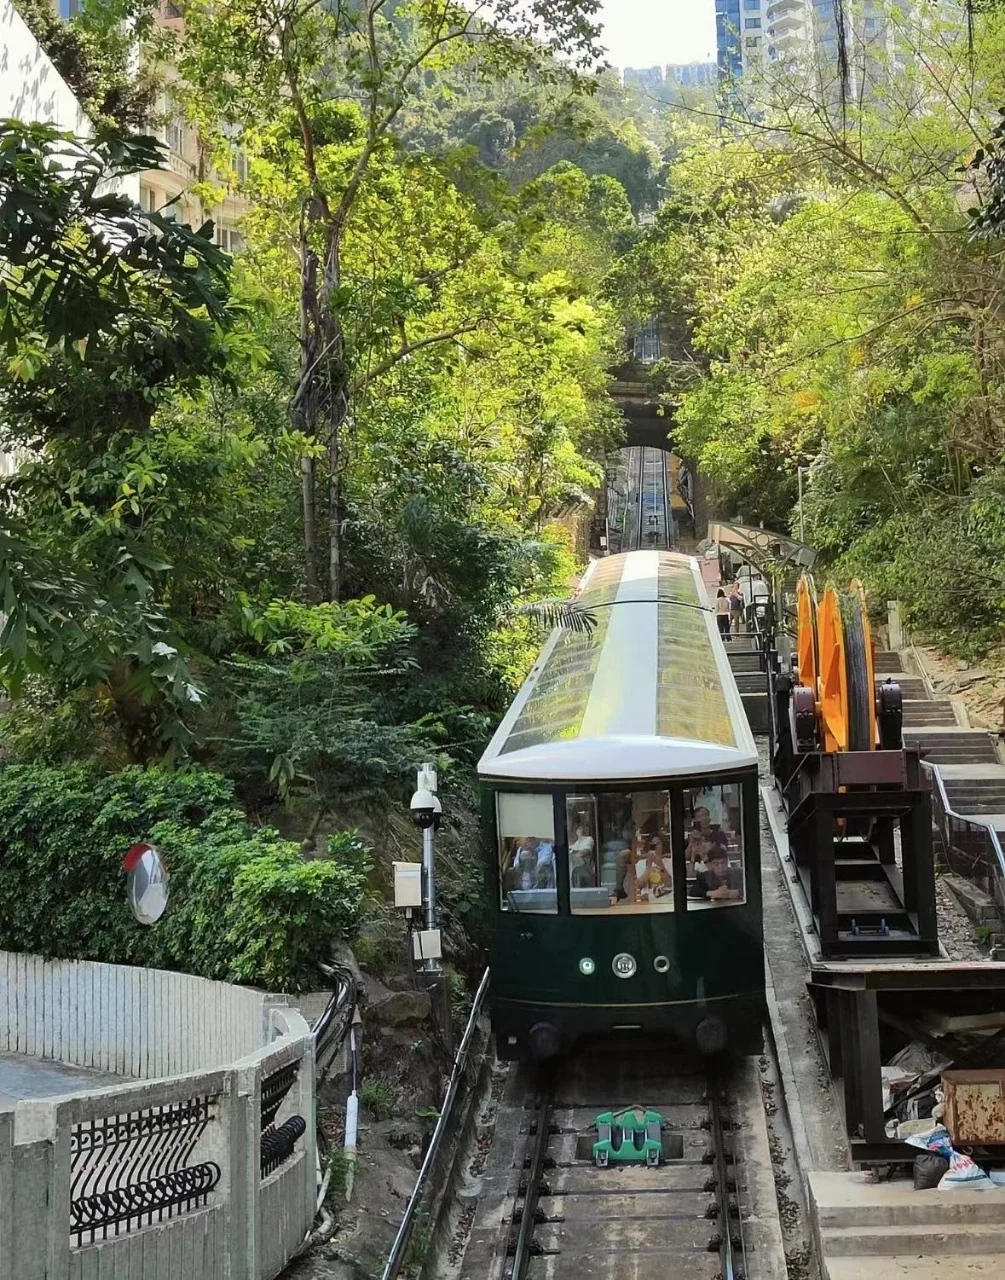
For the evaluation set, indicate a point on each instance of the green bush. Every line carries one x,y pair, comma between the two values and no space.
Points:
244,904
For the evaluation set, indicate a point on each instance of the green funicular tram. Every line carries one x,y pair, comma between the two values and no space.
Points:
621,822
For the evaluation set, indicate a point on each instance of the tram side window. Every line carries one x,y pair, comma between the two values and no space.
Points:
619,852
526,829
713,850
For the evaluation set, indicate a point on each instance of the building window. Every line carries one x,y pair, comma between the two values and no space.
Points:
647,343
752,24
752,42
870,24
241,164
68,8
752,4
228,238
174,134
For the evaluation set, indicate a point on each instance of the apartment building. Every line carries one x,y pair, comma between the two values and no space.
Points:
188,162
741,29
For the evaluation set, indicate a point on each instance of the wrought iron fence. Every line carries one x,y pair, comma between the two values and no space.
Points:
278,1142
972,848
130,1170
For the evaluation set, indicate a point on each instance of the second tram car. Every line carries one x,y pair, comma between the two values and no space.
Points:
621,815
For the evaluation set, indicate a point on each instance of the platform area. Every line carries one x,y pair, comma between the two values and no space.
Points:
887,1229
23,1077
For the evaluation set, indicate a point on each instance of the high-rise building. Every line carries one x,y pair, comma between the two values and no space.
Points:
649,78
691,75
740,30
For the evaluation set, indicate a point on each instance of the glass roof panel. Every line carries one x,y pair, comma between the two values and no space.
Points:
685,684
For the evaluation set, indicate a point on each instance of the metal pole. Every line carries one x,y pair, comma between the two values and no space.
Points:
429,874
802,522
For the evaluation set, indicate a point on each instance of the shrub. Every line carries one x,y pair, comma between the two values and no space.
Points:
244,904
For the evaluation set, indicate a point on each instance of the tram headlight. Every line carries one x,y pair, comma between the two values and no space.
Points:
624,965
586,967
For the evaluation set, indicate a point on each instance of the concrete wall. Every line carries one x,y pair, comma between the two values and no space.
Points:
143,1023
55,1152
30,86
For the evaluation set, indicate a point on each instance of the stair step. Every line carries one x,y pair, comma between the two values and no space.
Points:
915,1266
969,1237
845,1200
968,747
888,660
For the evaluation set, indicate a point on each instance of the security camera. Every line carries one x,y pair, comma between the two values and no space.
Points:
424,806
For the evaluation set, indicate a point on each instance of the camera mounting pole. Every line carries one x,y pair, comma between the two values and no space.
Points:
426,813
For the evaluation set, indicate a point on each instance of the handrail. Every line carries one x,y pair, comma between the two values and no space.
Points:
397,1254
976,824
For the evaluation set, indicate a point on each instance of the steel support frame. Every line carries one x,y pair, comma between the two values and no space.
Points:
816,803
849,997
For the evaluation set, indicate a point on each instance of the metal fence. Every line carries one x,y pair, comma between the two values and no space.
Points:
971,847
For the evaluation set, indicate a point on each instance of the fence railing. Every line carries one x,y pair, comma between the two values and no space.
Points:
972,848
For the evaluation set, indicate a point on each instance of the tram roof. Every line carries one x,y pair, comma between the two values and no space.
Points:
649,694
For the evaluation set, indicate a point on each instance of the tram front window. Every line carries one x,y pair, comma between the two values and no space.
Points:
526,827
713,850
619,852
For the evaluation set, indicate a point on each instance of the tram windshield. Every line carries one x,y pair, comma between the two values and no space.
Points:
619,851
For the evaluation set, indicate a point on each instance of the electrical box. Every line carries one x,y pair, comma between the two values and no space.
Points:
407,884
426,945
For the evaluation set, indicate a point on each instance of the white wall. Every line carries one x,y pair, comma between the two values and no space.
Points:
31,88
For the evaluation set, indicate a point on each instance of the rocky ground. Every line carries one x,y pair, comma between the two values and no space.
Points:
981,687
402,1082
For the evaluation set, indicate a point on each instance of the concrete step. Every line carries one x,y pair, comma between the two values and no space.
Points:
751,681
965,1266
968,746
912,687
846,1201
743,661
918,712
980,1238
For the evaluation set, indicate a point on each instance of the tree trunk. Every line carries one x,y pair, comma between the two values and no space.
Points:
310,526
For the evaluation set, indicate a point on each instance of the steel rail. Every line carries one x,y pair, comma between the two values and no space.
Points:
729,1269
641,503
521,1257
397,1255
667,507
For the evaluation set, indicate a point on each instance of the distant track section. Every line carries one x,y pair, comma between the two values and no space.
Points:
649,523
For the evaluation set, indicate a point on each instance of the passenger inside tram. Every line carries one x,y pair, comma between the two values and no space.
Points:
714,850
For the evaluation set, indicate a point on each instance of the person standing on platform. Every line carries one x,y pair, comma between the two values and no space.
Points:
722,614
735,607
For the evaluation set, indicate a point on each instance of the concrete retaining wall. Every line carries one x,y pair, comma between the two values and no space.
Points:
143,1023
90,1156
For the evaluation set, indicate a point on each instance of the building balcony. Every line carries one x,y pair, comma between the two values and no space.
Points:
785,8
788,42
785,23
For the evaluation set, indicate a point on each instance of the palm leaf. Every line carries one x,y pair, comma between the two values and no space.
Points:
559,613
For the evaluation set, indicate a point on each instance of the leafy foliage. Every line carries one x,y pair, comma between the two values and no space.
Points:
244,905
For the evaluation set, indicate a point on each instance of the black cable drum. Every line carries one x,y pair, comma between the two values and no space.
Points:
857,669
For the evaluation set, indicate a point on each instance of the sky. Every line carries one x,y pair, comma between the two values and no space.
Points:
649,33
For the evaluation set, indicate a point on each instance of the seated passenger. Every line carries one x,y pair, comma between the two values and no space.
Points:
545,865
721,882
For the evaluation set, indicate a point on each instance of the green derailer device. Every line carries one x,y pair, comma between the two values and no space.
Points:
632,1136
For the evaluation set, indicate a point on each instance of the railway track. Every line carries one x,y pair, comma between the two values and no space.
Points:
648,478
568,1220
